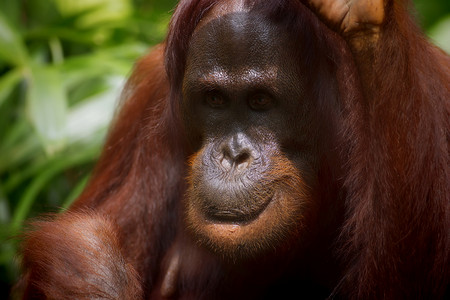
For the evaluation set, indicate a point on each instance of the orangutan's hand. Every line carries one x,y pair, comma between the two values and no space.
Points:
356,20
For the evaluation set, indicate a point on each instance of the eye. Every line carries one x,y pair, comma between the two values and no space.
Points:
260,101
214,99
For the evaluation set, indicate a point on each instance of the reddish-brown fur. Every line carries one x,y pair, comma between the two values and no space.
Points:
82,243
120,238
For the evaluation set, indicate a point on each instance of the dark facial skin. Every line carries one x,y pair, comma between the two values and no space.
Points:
245,112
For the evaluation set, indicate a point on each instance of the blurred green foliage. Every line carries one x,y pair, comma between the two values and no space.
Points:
62,66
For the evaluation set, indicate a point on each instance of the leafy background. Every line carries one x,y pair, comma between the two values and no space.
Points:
62,66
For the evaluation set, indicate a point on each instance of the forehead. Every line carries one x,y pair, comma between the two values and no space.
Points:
239,39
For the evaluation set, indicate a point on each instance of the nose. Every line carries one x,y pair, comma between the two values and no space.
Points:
238,152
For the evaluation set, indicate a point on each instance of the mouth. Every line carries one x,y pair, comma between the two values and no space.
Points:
247,215
237,210
238,235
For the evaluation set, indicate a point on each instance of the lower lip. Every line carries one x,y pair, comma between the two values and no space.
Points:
229,217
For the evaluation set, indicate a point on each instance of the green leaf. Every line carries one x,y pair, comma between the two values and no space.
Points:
104,10
90,118
8,82
55,167
11,10
440,34
12,48
81,68
4,208
20,152
75,193
47,107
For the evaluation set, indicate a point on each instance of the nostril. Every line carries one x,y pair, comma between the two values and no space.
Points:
237,152
242,158
243,161
239,161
